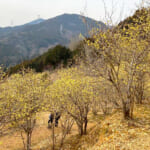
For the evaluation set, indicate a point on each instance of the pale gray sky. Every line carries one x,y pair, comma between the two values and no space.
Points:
16,12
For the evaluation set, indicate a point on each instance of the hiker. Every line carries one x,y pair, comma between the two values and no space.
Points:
51,118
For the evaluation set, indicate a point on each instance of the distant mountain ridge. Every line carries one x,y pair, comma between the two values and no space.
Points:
37,21
34,38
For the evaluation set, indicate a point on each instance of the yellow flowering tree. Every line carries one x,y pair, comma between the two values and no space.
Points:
23,95
74,93
4,117
116,55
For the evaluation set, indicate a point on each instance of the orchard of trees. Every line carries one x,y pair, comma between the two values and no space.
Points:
113,73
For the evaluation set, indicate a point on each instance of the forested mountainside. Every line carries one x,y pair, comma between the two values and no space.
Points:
32,39
50,60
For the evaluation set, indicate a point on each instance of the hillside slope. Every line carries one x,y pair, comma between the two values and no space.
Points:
114,133
109,132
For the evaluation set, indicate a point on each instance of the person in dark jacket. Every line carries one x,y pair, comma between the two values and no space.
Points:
51,118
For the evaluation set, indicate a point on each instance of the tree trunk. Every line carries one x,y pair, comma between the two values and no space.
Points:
53,134
85,125
127,111
80,128
29,141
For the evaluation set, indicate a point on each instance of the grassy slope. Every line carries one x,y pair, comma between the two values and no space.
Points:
41,137
109,133
114,133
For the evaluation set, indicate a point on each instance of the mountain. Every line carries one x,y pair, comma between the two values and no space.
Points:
37,21
34,38
52,59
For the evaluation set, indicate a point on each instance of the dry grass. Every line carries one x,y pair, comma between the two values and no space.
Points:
41,136
114,133
118,134
109,133
13,141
